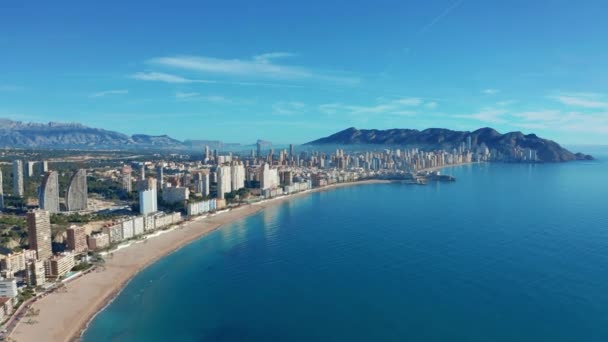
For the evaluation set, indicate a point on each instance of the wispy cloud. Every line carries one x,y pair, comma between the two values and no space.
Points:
398,106
556,120
181,95
431,105
289,108
266,57
196,96
109,92
441,16
490,91
164,77
585,100
259,67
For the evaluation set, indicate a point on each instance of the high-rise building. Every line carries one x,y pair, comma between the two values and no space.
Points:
223,180
48,192
1,191
159,177
148,202
18,178
237,175
201,183
142,171
77,239
125,174
30,168
77,192
259,149
39,233
207,153
291,155
44,166
269,177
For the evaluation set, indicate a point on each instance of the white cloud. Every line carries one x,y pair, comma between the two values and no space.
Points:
490,91
110,92
564,121
196,96
266,57
398,107
180,95
261,66
164,77
585,100
431,105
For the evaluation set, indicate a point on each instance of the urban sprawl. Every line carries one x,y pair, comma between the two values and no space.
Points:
160,193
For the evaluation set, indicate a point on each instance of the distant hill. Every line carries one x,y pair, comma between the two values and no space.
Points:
75,135
547,150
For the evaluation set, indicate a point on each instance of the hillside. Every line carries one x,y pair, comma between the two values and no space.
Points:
547,150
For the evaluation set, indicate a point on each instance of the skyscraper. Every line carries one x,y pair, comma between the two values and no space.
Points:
291,155
77,192
207,153
201,183
48,192
223,180
30,168
269,177
259,149
125,174
148,202
39,233
237,175
18,178
142,171
159,177
1,191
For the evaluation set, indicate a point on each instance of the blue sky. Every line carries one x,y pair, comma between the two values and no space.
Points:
290,71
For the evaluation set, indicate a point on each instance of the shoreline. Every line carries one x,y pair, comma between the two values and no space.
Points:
65,316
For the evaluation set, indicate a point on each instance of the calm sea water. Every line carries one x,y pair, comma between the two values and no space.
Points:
507,253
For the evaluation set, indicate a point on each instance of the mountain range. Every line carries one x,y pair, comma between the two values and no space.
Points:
74,135
547,150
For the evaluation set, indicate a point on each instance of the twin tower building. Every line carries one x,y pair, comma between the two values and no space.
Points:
75,194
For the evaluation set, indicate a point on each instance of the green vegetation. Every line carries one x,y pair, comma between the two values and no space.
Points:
109,189
82,267
26,294
13,232
235,196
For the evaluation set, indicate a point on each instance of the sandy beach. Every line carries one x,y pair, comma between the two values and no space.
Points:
64,314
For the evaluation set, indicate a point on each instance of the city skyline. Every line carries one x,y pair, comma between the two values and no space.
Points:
291,73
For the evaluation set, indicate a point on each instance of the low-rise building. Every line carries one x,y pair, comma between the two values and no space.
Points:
98,241
35,274
59,265
176,194
77,239
8,287
6,307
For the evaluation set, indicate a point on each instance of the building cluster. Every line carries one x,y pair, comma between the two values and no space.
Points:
38,265
131,227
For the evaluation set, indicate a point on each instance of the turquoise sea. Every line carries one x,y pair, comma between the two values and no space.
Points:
508,252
